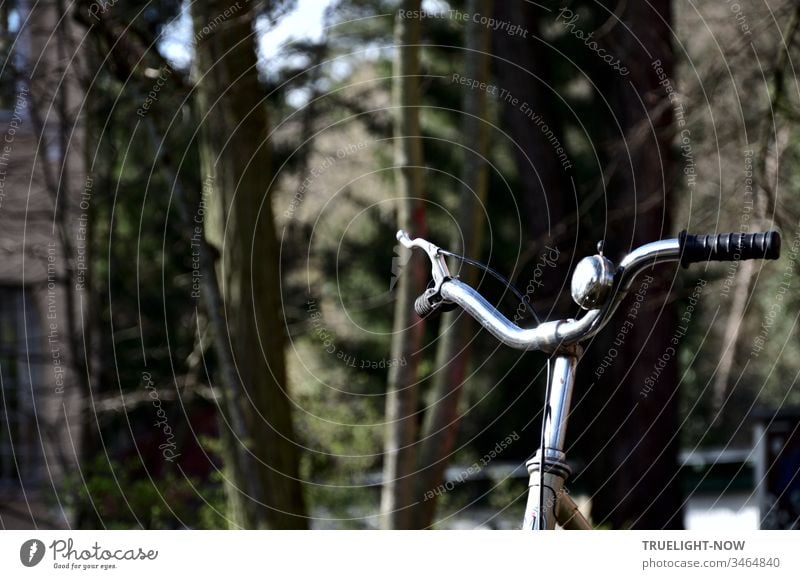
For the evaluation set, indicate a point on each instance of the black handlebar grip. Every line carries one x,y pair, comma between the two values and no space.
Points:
729,247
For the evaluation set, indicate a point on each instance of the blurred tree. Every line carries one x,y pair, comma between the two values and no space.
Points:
642,451
765,208
438,436
524,68
261,432
619,152
401,396
235,158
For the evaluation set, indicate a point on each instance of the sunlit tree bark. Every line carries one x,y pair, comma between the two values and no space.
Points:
452,354
401,397
239,223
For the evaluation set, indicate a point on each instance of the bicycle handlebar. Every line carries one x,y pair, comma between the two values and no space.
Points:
546,337
597,286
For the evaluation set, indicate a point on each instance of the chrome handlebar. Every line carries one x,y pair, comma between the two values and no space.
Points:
597,286
547,336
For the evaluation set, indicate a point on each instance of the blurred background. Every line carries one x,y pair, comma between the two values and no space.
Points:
206,320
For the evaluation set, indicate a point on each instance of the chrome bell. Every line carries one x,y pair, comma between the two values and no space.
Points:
592,281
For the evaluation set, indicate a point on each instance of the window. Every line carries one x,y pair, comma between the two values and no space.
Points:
9,27
21,358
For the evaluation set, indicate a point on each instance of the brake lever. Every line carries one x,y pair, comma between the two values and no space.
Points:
439,269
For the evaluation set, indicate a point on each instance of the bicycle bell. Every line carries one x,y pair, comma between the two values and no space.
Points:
592,281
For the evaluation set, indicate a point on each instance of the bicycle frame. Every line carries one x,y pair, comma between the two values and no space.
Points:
558,506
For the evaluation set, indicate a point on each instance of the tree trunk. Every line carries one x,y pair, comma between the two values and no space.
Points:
239,223
523,69
399,464
635,459
452,355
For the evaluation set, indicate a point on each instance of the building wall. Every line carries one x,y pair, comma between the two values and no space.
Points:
43,176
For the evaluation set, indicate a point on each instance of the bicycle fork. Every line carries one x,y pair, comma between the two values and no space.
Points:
557,506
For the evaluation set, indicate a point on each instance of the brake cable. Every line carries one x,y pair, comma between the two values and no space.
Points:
499,277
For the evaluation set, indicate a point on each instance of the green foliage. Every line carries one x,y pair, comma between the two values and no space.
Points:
124,497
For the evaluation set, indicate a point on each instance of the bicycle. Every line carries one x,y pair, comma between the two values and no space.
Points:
598,287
